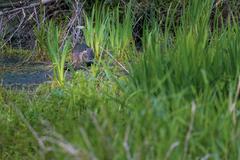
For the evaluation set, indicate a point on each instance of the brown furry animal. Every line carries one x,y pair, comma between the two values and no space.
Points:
82,55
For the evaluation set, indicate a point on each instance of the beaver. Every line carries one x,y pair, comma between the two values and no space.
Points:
82,55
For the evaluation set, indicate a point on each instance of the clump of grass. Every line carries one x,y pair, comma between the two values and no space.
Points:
95,31
1,95
41,36
9,52
120,31
106,28
56,53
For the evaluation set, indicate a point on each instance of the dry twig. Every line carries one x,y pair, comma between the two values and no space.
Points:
233,103
190,129
110,55
43,148
171,149
125,144
43,2
20,24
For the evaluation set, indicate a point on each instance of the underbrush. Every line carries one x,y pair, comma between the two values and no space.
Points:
10,52
180,99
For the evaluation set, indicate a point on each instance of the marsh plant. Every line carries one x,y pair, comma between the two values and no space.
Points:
40,34
95,31
120,31
56,52
110,29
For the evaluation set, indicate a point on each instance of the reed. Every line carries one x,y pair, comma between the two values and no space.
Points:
56,53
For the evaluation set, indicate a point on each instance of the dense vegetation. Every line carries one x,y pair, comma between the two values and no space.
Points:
176,98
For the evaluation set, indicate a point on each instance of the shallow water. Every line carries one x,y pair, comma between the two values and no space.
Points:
13,74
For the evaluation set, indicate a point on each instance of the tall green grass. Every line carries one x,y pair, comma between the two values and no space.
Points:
56,52
95,31
192,60
179,101
120,31
110,30
40,34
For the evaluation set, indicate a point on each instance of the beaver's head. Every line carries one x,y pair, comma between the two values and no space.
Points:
88,56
